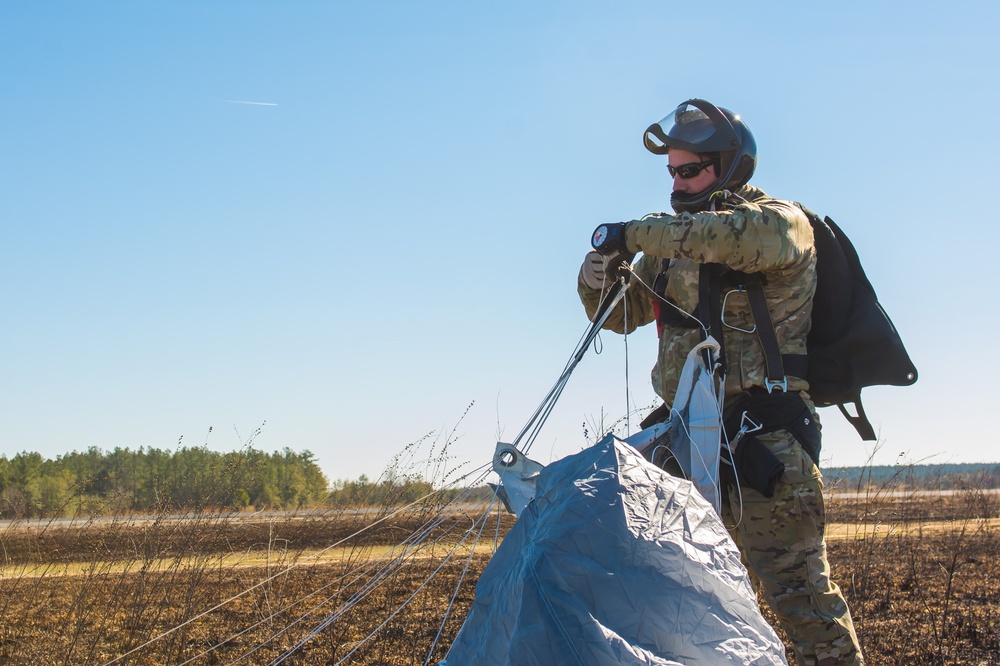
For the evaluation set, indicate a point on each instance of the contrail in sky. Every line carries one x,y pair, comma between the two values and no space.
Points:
237,101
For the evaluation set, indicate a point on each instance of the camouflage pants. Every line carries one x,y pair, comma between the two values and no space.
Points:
782,542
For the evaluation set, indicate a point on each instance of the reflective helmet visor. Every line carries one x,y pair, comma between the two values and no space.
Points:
685,127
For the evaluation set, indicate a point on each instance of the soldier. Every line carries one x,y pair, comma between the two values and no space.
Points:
722,231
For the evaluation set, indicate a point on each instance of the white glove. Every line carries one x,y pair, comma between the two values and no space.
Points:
594,271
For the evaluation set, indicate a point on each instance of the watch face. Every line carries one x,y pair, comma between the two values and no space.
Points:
600,235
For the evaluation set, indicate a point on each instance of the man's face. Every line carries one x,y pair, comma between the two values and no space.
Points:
678,157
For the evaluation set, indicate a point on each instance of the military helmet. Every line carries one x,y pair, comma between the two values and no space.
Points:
706,129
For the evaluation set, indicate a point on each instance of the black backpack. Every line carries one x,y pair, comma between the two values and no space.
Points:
852,343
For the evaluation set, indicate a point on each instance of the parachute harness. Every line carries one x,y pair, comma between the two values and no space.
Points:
716,366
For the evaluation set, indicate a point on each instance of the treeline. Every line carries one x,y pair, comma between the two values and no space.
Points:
383,492
951,476
395,491
96,482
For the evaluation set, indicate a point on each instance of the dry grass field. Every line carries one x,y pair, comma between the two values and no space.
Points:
922,575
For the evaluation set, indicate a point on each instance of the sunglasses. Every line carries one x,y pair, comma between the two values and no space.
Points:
690,170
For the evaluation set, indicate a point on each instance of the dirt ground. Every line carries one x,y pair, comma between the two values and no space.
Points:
923,580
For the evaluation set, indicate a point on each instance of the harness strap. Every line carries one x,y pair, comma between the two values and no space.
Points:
796,365
860,420
660,289
775,378
710,306
665,314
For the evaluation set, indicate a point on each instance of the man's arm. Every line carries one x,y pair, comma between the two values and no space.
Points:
749,238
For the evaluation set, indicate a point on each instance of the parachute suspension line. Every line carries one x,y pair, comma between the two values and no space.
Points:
728,451
391,565
496,535
483,520
695,450
635,276
537,419
628,405
687,433
598,341
297,564
461,579
359,596
529,433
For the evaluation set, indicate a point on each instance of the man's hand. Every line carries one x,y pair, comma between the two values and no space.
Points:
599,270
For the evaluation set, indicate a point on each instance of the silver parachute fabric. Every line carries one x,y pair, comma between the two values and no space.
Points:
614,562
696,423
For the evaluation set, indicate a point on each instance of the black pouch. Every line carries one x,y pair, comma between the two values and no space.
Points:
805,429
756,466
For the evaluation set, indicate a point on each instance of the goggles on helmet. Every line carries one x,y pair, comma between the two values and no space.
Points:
695,125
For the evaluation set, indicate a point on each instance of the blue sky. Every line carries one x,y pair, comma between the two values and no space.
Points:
396,232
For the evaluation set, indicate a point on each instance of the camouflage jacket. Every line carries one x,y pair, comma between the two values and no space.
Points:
750,232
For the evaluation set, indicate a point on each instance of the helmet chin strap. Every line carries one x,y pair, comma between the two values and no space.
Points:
693,203
701,201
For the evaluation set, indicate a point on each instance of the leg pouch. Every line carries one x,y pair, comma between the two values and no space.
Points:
756,466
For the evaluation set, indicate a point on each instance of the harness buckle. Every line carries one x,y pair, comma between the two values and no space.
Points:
770,385
747,426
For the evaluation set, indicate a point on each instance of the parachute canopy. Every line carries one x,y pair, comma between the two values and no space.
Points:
615,562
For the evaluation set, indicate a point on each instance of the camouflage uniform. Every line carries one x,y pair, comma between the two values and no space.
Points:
782,537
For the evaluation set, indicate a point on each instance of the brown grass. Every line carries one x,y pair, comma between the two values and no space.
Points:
216,588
